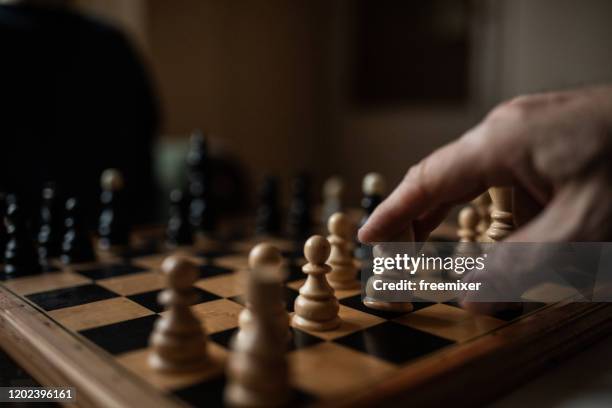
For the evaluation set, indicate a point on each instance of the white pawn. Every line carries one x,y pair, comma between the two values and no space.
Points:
316,307
178,340
502,220
468,222
265,261
344,268
257,368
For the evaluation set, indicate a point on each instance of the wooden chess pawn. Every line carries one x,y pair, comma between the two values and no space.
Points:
502,220
257,368
344,268
468,234
20,257
265,261
387,301
482,204
178,340
76,246
316,307
468,222
178,231
113,226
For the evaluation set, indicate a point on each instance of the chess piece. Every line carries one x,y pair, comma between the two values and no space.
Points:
20,256
374,188
482,204
113,227
267,219
3,233
299,218
333,190
201,210
387,301
50,232
502,221
178,232
343,266
266,259
178,340
76,246
316,307
257,367
468,222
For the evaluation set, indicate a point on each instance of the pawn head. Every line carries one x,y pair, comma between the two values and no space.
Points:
468,217
374,184
317,249
340,224
263,255
180,272
111,180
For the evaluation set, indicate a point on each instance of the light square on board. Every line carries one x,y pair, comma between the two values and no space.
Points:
132,284
228,285
218,315
46,282
330,370
137,363
450,322
101,313
352,320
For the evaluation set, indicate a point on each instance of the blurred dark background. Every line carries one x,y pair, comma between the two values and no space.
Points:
335,87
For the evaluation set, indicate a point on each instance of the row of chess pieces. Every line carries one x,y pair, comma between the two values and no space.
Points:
65,237
488,218
257,368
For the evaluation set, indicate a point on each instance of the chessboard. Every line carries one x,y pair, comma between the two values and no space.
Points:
88,326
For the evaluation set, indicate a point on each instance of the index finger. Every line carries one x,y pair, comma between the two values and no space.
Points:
452,174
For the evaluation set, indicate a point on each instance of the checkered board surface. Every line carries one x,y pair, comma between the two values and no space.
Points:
112,305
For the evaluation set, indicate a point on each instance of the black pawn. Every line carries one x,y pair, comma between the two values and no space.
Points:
113,226
267,218
3,233
20,257
179,231
201,211
77,246
50,232
299,218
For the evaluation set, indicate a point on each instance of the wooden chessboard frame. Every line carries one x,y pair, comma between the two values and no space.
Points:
56,357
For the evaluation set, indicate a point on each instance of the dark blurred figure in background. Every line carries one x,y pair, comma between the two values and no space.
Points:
75,99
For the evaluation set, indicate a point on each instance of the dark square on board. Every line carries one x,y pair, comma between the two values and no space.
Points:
124,336
73,296
110,270
393,342
355,302
149,299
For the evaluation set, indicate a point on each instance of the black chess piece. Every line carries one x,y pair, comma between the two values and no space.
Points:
201,209
20,257
267,218
77,246
113,226
51,225
3,233
299,218
179,231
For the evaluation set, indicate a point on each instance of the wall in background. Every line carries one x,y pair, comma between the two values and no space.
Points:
268,78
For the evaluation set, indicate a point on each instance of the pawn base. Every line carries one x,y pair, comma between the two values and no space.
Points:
344,285
401,307
312,325
158,363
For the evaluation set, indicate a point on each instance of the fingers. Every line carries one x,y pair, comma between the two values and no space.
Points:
455,173
430,221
